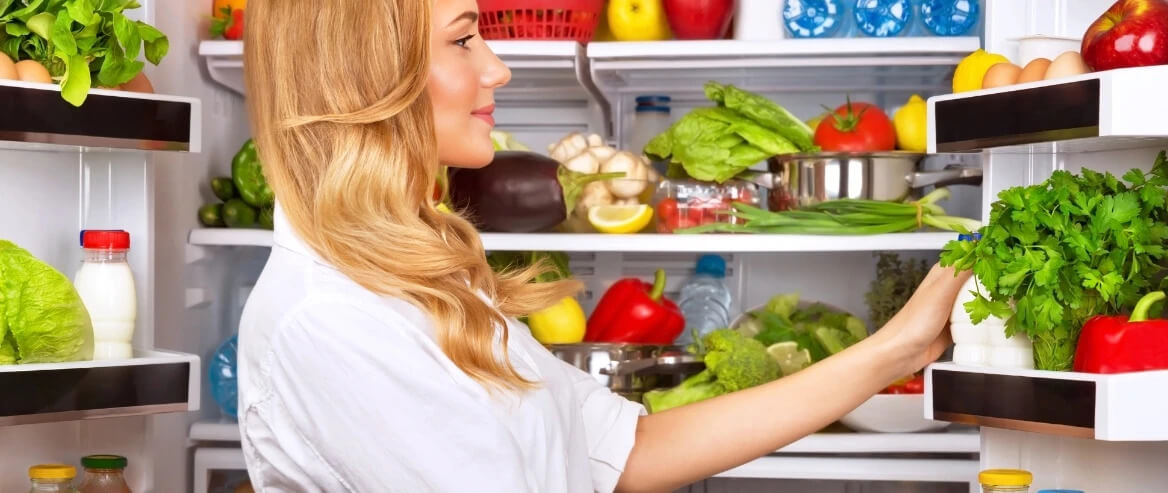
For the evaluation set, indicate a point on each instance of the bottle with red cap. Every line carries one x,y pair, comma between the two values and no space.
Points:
106,286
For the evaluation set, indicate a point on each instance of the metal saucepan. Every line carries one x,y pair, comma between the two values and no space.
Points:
800,180
630,369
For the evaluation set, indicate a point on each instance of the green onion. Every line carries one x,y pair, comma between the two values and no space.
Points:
846,217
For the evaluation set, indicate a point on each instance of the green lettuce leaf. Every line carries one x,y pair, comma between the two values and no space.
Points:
42,318
764,112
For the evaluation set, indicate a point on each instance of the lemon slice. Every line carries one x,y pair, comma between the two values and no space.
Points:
790,358
620,219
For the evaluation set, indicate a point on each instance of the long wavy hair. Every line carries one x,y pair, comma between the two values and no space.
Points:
345,129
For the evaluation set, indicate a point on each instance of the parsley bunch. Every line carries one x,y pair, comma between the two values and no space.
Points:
1056,254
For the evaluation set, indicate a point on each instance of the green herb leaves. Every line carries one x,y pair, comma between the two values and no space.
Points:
1065,250
84,43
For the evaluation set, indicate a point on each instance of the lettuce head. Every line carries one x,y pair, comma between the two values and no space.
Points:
42,318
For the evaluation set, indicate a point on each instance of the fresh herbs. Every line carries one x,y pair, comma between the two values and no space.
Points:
83,43
1056,254
715,144
895,282
846,217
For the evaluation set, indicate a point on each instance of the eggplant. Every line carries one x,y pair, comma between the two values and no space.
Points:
519,192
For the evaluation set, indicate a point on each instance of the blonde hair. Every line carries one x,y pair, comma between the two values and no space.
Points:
340,114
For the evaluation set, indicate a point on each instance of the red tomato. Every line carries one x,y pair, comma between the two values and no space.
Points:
856,127
894,389
667,216
915,386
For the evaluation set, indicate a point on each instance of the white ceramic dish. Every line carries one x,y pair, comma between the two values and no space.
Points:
892,413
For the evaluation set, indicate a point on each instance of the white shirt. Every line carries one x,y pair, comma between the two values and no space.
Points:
344,390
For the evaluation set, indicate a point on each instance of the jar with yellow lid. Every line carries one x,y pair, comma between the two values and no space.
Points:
1005,481
52,478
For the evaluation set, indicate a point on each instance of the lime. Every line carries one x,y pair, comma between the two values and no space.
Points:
237,214
223,188
791,359
211,215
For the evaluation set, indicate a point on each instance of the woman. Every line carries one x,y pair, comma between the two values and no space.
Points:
379,351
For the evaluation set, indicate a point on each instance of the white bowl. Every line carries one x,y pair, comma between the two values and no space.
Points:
892,413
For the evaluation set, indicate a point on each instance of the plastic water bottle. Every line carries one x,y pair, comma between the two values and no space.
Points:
814,18
705,300
223,372
951,17
883,18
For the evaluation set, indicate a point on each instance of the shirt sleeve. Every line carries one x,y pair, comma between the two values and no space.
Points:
368,396
610,426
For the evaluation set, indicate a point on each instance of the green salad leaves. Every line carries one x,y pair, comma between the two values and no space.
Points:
718,143
83,43
1056,254
42,318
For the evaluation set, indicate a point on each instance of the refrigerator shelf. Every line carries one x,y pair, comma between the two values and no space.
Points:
789,65
569,242
34,117
1115,109
1120,407
153,382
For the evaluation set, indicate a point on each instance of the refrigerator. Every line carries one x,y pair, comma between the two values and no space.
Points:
95,168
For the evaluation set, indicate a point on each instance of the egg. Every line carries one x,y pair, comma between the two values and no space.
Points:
7,68
1035,70
1001,74
1068,64
138,84
32,71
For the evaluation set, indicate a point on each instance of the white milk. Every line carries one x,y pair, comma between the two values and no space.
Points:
106,286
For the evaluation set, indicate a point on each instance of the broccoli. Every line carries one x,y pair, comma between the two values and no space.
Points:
733,362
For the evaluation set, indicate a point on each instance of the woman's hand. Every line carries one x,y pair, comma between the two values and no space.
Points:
919,331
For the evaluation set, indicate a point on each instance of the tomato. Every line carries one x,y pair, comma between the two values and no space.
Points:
667,216
915,386
894,389
856,127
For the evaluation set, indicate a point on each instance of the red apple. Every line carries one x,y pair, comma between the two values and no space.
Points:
699,19
1132,33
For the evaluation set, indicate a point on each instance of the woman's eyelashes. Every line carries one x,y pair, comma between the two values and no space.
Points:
463,41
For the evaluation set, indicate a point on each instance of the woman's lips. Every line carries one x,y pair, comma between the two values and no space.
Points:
485,114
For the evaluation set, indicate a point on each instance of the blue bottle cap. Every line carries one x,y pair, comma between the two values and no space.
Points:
653,99
969,237
712,265
652,109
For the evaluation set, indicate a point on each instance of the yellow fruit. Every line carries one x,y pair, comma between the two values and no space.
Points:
620,219
561,323
912,122
789,357
971,71
638,20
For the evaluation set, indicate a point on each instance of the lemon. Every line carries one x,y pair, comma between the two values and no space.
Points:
790,358
912,122
620,219
562,323
972,69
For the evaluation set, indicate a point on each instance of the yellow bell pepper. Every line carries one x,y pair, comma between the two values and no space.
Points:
561,323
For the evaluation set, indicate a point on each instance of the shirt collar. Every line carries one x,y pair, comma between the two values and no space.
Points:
285,236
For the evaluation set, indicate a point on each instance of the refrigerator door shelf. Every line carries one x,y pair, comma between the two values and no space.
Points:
152,382
1119,407
1114,109
34,117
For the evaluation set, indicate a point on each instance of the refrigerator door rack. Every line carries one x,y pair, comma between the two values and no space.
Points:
152,382
34,117
1109,110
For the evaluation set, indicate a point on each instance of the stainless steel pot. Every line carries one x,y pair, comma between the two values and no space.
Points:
800,180
630,369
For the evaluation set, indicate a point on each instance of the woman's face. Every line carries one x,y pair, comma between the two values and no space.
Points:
463,76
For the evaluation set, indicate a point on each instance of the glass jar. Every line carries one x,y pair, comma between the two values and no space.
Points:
104,474
52,478
1005,481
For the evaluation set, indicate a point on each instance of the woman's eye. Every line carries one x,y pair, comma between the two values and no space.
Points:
464,40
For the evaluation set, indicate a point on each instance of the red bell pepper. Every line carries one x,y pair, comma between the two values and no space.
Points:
1119,344
633,311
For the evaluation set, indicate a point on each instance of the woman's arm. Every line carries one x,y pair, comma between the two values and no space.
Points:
686,444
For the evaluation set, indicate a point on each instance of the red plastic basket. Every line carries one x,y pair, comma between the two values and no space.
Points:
540,19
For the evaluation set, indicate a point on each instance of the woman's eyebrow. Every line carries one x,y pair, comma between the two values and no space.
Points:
469,15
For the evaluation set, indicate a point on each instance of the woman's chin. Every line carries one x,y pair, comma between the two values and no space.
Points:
472,158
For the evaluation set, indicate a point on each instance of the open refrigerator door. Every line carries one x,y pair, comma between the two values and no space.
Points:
193,275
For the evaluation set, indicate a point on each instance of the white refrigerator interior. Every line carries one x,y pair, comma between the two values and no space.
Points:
192,281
